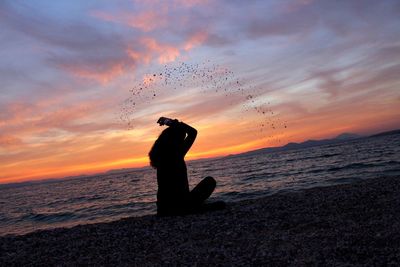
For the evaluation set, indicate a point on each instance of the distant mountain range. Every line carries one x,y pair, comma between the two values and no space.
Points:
312,143
386,133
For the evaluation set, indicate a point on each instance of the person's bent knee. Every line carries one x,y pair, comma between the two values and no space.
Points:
210,180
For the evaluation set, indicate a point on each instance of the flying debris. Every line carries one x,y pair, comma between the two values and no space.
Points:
208,78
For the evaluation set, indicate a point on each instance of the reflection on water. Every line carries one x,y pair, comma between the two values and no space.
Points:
107,197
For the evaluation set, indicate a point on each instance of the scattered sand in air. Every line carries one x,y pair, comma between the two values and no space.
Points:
208,78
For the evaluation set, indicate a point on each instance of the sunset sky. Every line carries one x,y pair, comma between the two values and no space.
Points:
69,73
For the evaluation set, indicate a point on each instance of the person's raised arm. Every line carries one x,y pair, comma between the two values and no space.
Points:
191,136
189,130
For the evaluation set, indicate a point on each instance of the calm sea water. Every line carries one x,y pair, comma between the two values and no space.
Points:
107,197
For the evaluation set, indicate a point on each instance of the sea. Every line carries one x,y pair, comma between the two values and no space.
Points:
29,207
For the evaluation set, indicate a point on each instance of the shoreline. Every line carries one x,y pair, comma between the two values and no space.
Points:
357,223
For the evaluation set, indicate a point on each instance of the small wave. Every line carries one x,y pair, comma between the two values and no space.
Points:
229,194
344,180
393,172
75,200
67,201
49,217
316,171
84,198
324,156
330,155
305,171
245,171
123,205
352,166
3,218
264,175
95,197
392,162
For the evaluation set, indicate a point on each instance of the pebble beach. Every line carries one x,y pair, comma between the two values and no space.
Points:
341,225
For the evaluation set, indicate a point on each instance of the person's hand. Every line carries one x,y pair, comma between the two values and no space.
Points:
162,120
166,121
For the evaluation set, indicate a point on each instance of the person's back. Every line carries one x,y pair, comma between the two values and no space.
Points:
173,186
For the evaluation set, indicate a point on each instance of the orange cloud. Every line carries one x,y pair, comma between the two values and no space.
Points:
9,141
195,40
153,49
139,57
155,14
145,21
164,53
101,76
25,124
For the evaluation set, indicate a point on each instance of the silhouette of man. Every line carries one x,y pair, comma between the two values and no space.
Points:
167,156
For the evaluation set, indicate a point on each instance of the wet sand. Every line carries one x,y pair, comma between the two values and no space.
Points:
353,224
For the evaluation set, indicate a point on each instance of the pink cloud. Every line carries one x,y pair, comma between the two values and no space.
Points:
148,49
153,49
23,120
165,53
102,76
155,14
145,21
9,141
104,70
138,56
195,40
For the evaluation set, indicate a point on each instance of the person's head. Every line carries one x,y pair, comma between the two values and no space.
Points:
167,145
